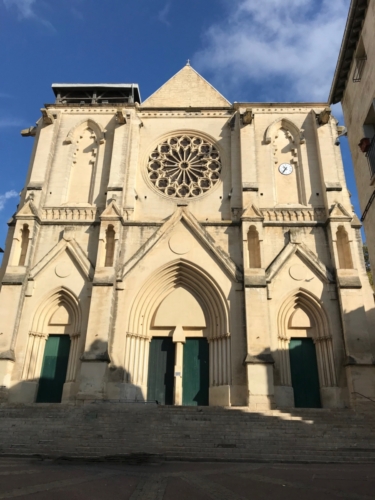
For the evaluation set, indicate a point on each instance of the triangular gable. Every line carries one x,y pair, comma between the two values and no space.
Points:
252,213
75,252
28,211
356,223
183,214
306,255
187,88
338,211
112,212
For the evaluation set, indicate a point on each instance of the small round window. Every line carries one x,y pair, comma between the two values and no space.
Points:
184,166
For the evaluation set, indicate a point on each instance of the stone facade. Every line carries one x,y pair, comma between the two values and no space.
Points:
354,87
186,218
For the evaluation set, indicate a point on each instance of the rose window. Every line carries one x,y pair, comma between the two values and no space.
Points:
184,166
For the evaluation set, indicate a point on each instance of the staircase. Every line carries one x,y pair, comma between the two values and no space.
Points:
187,433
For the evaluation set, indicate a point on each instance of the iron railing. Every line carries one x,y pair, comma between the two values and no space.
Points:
359,67
371,156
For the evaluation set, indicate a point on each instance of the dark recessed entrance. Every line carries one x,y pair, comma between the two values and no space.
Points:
304,371
195,374
53,374
160,383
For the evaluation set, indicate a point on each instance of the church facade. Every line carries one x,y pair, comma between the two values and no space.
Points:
185,250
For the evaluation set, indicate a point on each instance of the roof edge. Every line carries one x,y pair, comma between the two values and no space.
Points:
353,14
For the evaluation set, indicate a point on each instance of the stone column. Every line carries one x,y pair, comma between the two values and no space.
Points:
178,373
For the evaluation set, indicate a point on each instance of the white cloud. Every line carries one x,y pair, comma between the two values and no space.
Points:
24,7
6,196
11,122
288,50
26,10
163,14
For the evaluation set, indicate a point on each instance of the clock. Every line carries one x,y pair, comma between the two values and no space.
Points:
285,168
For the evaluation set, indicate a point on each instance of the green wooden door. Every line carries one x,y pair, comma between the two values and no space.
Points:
55,364
161,370
195,373
304,370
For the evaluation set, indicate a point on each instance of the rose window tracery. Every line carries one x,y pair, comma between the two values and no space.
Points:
184,166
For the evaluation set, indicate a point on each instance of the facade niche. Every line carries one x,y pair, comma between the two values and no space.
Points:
343,249
253,248
25,234
109,246
285,152
83,166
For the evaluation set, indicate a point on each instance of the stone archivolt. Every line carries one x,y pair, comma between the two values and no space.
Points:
179,274
184,166
164,281
58,313
318,329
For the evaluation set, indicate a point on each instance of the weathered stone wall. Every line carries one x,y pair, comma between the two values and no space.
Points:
66,284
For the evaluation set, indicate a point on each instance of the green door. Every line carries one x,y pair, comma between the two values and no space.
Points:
304,370
195,373
55,364
161,370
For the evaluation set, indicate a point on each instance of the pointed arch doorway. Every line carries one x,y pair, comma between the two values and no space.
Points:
306,360
53,347
182,303
178,369
54,368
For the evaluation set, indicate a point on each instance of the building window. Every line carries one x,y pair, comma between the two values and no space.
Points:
367,143
343,249
25,233
254,248
109,246
184,166
359,62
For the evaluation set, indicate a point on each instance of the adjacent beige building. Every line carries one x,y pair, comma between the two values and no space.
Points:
186,250
354,86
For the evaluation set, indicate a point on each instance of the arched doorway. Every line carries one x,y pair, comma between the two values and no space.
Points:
52,350
54,366
306,360
179,317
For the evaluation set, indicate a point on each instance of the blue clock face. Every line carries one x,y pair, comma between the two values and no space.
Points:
285,169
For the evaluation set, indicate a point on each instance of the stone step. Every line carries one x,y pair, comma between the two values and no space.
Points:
183,433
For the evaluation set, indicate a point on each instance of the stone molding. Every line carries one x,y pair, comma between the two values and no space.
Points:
95,126
306,255
183,214
75,252
293,214
77,214
298,134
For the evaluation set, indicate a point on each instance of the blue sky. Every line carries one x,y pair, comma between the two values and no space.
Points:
250,50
